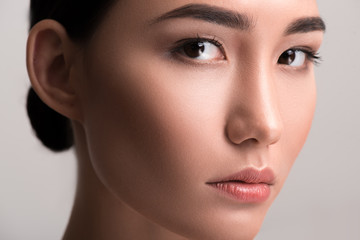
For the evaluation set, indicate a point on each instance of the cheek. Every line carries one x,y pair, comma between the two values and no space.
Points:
297,108
144,130
122,126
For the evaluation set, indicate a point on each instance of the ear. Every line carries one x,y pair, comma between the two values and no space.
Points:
51,56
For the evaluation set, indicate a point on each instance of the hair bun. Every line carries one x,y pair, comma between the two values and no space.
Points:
53,129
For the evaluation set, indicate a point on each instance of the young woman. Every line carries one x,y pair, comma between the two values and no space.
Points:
186,115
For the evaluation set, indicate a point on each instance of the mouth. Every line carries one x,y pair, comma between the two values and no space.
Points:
247,186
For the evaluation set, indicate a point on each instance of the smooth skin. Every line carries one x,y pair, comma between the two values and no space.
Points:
153,124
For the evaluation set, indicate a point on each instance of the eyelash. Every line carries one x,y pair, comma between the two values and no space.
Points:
311,56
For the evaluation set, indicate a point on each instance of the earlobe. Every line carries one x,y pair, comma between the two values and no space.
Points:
50,59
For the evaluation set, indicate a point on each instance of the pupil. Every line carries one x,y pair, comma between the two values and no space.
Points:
287,57
193,50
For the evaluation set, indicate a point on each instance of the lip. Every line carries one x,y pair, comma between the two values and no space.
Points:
247,186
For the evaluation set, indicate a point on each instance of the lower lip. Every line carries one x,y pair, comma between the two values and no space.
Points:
244,192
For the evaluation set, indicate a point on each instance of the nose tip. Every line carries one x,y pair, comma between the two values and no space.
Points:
265,130
268,132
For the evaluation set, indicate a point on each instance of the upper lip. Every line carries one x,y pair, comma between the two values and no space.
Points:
249,175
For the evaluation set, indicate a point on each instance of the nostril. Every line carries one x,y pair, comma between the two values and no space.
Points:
250,141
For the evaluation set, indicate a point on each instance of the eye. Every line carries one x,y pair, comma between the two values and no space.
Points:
297,57
201,49
294,58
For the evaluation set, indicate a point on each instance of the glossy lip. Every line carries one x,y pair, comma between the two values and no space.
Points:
247,186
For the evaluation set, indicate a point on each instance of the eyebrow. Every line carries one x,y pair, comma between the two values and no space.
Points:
236,20
210,14
305,25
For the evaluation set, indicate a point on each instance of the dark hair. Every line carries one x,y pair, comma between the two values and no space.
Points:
80,19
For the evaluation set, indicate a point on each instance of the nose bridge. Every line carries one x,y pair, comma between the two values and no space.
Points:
265,117
256,114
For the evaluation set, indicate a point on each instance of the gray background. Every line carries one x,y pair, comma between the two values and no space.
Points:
320,200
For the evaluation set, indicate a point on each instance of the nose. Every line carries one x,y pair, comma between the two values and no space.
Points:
254,114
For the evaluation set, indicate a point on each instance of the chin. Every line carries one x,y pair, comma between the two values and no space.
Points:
238,223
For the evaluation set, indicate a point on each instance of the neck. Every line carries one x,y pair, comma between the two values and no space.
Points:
98,214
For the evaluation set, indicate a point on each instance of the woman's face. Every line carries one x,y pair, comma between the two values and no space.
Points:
194,111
